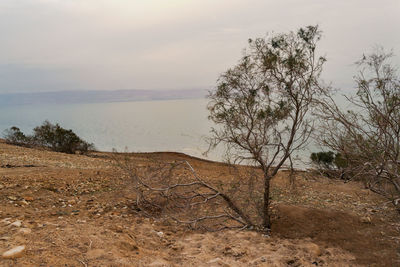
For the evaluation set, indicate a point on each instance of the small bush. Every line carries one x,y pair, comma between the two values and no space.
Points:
323,159
49,136
16,137
329,163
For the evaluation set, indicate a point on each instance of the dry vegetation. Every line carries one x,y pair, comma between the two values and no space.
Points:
80,210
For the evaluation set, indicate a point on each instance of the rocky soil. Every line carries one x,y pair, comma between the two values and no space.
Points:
75,210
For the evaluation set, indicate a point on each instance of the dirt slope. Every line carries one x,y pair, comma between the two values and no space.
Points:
74,210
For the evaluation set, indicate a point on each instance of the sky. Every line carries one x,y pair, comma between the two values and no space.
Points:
58,45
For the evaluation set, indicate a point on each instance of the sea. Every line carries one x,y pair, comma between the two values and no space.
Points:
137,126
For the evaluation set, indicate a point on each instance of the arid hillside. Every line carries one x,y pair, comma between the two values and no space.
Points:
76,210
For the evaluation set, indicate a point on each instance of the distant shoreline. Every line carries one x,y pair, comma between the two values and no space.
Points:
87,97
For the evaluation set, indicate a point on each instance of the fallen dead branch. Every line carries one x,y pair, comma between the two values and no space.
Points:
175,190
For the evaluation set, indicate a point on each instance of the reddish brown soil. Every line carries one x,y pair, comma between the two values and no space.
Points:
76,211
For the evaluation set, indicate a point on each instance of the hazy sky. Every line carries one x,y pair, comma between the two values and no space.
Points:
50,45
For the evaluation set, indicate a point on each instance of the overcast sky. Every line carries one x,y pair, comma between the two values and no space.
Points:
51,45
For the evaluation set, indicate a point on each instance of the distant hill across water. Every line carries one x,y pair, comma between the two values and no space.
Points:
72,97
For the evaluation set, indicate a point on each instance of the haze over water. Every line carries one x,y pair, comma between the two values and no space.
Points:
140,126
137,126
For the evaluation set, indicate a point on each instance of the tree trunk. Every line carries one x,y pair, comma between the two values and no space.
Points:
235,208
266,218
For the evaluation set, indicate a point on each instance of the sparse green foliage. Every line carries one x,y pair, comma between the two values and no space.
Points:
368,137
260,105
323,159
50,136
15,136
329,164
328,160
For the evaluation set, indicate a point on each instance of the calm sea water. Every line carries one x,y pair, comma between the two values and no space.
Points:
172,125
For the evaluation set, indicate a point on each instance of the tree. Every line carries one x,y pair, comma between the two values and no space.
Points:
51,136
368,136
260,106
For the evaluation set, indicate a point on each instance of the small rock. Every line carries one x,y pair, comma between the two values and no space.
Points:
28,198
17,223
218,261
119,229
214,260
14,252
6,220
160,234
23,202
25,231
314,249
159,263
12,198
259,261
365,219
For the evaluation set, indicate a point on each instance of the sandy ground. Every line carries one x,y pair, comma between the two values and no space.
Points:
75,210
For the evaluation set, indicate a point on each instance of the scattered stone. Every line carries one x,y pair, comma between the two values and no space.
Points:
12,198
25,231
217,262
365,219
260,261
14,252
214,260
28,198
23,202
17,223
6,220
160,234
159,263
118,229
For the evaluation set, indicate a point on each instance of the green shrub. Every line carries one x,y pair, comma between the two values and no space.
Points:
16,137
330,164
323,159
51,136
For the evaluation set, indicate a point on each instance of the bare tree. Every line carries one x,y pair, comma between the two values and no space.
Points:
260,106
260,109
368,136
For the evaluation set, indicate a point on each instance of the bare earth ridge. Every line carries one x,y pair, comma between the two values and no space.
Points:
75,210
